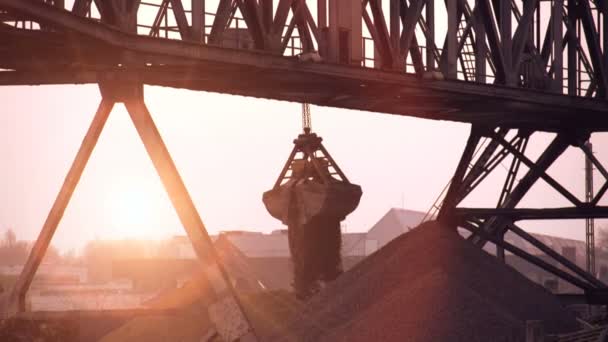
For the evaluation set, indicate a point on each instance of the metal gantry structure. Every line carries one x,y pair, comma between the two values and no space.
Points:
510,68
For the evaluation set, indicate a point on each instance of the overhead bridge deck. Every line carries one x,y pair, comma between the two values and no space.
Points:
87,51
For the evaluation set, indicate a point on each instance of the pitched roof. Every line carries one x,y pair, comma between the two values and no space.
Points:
406,219
395,222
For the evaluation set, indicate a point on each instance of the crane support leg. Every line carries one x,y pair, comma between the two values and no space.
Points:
502,217
14,300
226,312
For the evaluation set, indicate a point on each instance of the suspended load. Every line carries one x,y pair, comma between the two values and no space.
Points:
312,196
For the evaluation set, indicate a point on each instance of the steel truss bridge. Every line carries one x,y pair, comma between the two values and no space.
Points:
510,68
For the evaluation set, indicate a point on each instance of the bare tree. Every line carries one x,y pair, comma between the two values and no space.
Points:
12,252
10,238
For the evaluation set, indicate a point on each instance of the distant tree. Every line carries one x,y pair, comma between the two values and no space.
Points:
10,238
12,251
15,252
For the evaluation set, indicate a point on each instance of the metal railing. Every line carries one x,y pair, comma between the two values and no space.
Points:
165,26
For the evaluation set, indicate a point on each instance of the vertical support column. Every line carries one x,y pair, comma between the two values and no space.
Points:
16,300
395,21
451,71
198,20
604,8
589,222
267,13
480,45
321,14
323,39
430,39
572,49
332,44
506,38
500,250
557,12
236,327
345,31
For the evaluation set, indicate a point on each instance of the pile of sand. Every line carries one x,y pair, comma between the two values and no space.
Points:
266,310
428,285
183,327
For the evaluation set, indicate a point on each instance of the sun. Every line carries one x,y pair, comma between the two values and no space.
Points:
134,210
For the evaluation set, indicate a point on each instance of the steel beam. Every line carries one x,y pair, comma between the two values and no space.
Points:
180,18
498,225
395,23
580,283
198,21
557,35
522,35
466,102
222,18
511,214
16,301
430,35
512,173
556,256
493,39
383,38
486,163
451,67
506,40
595,50
452,195
542,173
480,45
239,327
572,49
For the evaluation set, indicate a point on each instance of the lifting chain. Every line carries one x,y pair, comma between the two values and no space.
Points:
306,120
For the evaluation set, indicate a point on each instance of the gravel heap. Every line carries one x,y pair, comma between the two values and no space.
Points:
428,285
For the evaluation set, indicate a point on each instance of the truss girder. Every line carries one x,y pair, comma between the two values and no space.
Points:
520,55
490,224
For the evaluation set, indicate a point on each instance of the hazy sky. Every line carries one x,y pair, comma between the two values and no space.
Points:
229,150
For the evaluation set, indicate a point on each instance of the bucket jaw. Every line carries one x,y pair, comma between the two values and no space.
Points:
312,196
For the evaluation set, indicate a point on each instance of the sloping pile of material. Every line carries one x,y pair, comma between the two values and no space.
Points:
243,276
186,327
428,285
190,322
198,290
267,311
